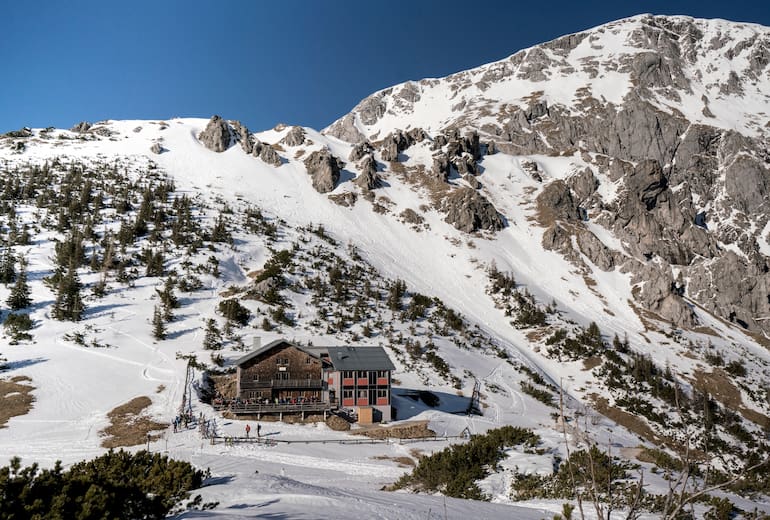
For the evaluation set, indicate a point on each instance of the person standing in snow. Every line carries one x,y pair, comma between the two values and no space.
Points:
259,429
248,429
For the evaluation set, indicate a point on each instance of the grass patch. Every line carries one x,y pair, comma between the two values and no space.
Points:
129,427
16,397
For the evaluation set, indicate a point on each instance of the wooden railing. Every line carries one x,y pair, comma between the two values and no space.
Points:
283,383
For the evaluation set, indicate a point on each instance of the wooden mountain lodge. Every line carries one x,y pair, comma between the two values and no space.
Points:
282,377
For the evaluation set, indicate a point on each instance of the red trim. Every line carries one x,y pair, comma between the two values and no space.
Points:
363,381
348,402
331,381
364,401
382,400
382,381
348,381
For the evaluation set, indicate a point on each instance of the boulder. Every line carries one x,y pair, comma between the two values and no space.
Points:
156,148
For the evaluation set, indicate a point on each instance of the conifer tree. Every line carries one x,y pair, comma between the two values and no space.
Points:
213,337
158,324
20,293
7,265
69,304
168,299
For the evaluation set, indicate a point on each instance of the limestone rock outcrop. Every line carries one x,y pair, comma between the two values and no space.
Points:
467,210
324,169
217,136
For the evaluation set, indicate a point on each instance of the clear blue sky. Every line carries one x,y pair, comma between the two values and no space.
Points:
264,62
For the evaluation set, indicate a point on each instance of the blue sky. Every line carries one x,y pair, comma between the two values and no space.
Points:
264,62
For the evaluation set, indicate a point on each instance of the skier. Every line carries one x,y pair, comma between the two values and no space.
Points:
259,429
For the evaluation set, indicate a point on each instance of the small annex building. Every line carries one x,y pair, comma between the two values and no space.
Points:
282,377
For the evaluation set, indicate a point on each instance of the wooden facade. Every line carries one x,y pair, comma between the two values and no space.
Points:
282,373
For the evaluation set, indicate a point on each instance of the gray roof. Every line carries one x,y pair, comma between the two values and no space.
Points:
270,346
360,358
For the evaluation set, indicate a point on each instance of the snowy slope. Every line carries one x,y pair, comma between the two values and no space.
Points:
76,386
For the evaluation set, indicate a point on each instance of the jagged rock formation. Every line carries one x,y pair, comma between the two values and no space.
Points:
243,136
217,136
266,152
360,150
324,169
469,211
81,127
295,137
368,179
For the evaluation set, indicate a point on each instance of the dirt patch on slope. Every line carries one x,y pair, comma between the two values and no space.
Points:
129,426
721,387
16,397
623,418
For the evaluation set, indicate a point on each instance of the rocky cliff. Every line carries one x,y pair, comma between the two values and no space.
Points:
666,124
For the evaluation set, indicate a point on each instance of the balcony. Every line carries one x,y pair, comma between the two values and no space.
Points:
305,384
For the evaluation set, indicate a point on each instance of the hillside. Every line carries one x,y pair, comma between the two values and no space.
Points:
588,217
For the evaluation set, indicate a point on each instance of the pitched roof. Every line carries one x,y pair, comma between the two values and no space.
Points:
360,358
264,348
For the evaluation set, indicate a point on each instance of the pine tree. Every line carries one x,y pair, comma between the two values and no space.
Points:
20,293
69,304
7,266
168,299
158,325
213,338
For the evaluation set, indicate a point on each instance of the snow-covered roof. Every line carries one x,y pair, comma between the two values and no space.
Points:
360,358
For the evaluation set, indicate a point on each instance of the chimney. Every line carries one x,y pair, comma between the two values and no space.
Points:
257,343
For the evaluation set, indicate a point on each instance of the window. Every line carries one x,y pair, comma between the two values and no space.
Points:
256,377
362,374
282,376
382,392
347,374
281,361
363,394
308,360
382,373
347,394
